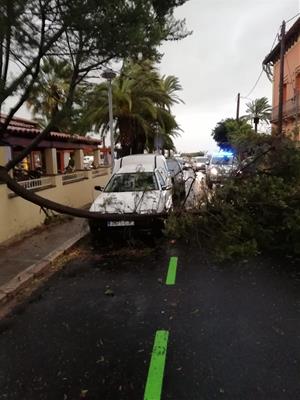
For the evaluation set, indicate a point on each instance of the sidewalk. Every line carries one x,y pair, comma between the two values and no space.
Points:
23,260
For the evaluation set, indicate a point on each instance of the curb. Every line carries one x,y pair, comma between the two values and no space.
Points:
24,278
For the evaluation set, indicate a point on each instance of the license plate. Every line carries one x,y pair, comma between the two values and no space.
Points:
120,223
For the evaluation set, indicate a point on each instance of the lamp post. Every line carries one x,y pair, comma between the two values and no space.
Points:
109,75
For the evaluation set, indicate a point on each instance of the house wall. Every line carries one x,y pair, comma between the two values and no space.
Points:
18,216
291,79
291,70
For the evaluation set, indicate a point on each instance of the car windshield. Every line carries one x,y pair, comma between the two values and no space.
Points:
173,166
201,159
132,182
222,160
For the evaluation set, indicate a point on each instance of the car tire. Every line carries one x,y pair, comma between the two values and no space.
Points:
158,228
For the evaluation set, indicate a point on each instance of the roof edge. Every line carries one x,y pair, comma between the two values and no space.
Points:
291,37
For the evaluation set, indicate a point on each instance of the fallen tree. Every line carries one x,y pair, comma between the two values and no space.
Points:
88,35
258,210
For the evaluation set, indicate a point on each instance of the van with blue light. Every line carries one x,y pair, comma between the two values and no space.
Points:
221,166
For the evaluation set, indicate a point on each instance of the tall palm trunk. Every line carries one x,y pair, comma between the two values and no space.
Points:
256,122
126,136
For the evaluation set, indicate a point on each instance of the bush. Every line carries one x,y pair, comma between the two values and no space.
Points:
252,213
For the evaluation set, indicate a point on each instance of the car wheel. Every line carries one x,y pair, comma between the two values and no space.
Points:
157,229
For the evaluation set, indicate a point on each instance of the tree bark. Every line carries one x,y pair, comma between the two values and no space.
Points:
62,209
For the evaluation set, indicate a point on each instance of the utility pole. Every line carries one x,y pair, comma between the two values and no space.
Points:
238,107
281,79
109,75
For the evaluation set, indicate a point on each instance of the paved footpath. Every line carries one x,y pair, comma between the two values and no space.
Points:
37,246
155,324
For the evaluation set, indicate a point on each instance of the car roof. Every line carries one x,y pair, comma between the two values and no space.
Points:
134,168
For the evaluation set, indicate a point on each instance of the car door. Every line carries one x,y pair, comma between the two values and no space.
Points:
166,188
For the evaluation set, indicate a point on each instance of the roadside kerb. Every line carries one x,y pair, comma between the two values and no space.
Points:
24,278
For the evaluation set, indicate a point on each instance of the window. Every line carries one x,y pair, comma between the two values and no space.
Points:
222,160
298,83
132,182
161,179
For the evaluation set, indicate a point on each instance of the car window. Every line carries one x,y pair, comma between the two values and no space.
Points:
173,167
222,160
201,159
161,180
132,182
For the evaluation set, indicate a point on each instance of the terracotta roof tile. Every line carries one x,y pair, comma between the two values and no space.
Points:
20,126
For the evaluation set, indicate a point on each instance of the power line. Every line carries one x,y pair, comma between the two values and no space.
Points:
291,19
261,72
256,83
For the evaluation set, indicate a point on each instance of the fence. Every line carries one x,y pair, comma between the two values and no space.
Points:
291,108
38,183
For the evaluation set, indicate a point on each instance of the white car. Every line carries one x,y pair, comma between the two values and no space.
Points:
134,189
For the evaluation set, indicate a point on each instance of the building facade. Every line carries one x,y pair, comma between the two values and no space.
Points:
291,87
55,168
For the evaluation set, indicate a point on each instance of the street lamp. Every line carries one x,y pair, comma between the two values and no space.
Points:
109,75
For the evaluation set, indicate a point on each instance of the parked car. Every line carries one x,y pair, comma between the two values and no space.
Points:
200,163
177,177
144,188
221,166
88,162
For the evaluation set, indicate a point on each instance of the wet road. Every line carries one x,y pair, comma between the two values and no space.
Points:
233,331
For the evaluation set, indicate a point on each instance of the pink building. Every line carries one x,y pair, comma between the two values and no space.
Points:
291,88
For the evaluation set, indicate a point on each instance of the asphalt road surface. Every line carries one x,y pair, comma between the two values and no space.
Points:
220,332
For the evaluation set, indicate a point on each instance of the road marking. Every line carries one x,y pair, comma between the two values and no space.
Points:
157,366
171,277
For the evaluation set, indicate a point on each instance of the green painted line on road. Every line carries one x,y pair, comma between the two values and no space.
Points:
171,277
157,366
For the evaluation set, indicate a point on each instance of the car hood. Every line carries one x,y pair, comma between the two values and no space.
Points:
129,202
222,168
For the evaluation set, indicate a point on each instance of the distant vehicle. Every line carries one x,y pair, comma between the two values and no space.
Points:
88,162
200,163
187,165
221,166
177,177
247,166
142,188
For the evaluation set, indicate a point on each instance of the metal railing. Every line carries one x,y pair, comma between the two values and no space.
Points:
73,177
38,183
291,108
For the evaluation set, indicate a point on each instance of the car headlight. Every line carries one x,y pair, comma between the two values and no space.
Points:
214,171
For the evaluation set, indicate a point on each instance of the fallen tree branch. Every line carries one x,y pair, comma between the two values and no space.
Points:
63,209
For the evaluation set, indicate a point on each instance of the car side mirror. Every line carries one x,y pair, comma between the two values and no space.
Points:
99,188
166,187
207,163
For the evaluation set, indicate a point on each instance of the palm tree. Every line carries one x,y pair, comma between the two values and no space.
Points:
49,92
258,110
142,103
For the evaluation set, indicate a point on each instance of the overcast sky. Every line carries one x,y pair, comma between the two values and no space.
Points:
222,57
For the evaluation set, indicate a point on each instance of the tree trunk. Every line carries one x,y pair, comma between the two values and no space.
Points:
126,136
256,122
60,208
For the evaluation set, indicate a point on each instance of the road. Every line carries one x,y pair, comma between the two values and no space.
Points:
224,332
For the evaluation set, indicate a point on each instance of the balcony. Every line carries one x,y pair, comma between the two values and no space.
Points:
291,109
